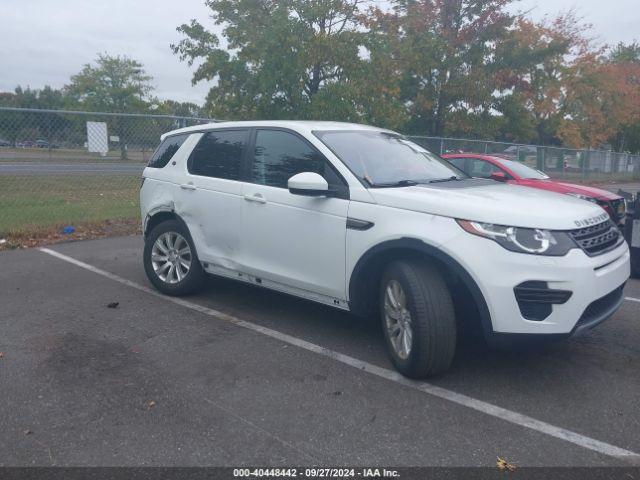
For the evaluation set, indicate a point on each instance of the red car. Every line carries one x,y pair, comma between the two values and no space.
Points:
509,171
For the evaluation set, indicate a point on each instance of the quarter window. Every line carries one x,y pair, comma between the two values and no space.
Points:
167,149
280,155
219,154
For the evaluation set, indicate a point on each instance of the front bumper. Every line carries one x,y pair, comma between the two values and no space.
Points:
497,271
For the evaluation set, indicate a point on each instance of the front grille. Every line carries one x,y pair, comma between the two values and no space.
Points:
597,239
600,307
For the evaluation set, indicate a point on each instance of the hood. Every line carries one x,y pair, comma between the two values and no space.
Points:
563,187
492,202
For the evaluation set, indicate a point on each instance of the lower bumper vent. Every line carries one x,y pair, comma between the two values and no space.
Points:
535,299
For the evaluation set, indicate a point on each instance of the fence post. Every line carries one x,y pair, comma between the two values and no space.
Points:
49,135
539,163
441,146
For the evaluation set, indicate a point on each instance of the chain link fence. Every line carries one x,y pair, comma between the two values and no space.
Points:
73,169
570,164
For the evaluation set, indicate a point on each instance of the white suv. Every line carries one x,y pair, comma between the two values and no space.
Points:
361,219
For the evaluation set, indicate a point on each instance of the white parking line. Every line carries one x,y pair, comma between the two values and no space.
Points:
631,299
443,393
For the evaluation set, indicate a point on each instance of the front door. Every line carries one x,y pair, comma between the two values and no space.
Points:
289,239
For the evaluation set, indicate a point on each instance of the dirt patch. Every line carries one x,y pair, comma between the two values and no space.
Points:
84,231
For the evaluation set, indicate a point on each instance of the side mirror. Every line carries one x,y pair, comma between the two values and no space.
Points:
498,177
309,184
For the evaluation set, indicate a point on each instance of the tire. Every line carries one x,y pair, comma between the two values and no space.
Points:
431,318
182,281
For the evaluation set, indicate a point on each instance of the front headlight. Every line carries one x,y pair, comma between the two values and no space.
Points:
583,197
534,241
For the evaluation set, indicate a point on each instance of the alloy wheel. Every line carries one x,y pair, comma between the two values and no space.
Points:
398,319
171,257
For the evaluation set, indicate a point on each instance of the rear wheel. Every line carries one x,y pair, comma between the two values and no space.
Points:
418,318
170,259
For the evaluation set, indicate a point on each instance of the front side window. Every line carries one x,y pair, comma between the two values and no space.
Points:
387,159
281,155
167,149
219,154
481,168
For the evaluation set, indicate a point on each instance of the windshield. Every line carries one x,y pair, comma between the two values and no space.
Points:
386,159
523,171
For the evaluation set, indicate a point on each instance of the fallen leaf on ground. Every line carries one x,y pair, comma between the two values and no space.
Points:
113,305
1,355
504,465
151,404
28,432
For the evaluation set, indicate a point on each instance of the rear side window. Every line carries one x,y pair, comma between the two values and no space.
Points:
219,154
167,149
459,162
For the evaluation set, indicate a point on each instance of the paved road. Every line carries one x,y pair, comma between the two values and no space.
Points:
83,377
68,168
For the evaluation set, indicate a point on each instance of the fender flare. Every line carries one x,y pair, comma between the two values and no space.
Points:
358,285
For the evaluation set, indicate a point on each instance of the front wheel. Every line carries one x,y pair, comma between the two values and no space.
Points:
170,259
418,318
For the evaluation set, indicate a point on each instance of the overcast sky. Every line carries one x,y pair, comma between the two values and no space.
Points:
45,42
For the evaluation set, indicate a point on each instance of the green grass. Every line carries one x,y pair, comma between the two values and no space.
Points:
39,202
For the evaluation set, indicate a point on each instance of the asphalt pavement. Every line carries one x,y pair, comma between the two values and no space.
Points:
155,382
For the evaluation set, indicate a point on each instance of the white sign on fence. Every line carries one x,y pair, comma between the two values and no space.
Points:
97,138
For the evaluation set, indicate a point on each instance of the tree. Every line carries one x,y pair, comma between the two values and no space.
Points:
180,109
445,51
622,53
282,58
602,100
539,60
115,84
18,126
625,62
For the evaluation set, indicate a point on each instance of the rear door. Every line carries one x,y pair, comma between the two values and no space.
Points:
212,195
288,239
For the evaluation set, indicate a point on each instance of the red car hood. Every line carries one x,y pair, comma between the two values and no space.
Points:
562,187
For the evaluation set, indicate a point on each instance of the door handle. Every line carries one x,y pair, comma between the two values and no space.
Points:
257,198
188,186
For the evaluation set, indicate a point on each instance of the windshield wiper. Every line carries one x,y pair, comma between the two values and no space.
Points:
399,183
442,180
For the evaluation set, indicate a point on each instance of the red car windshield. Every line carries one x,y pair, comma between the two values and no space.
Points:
522,171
